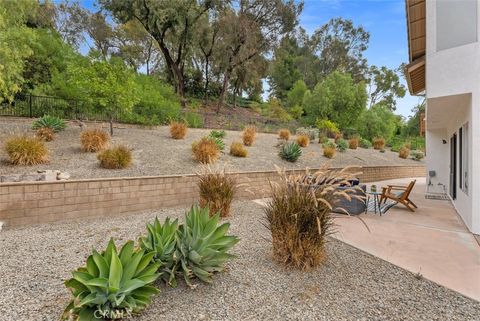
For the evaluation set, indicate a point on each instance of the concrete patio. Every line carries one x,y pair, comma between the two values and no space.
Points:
433,241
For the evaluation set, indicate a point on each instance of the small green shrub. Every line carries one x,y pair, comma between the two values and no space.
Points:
327,127
365,143
311,132
323,139
194,120
329,144
54,123
217,133
342,145
202,246
290,152
218,141
113,284
417,155
117,157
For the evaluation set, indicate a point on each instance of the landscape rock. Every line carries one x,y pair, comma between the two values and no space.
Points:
40,175
63,176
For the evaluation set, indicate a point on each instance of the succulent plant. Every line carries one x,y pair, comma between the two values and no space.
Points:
217,133
161,241
202,246
342,145
54,123
218,141
112,285
290,152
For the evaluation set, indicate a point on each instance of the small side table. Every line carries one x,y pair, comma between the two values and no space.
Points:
376,201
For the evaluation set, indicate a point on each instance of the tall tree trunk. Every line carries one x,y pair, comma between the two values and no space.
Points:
235,97
221,98
175,71
205,97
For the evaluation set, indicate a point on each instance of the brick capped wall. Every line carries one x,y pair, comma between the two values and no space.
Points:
44,202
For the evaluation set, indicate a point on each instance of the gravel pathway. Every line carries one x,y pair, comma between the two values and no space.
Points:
155,153
351,285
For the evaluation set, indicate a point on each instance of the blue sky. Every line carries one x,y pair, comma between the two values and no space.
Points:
384,19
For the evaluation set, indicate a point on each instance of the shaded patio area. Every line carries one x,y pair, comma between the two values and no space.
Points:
433,241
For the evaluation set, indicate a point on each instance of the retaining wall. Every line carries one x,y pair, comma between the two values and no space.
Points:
44,202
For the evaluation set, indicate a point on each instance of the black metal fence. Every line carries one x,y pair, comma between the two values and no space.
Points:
37,106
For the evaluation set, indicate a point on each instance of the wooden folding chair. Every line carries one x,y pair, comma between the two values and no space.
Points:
399,194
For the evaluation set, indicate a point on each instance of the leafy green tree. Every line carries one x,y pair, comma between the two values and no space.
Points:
337,98
109,85
16,40
385,87
378,121
295,95
412,126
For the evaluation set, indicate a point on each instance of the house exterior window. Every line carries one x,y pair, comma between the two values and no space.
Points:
456,23
463,153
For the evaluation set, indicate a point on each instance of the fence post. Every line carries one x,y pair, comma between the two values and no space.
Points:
30,105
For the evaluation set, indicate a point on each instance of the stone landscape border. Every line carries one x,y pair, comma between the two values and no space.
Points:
26,203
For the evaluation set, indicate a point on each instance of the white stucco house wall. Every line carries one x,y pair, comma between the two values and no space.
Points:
444,54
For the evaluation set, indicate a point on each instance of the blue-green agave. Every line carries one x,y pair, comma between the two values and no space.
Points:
54,123
202,246
112,285
161,240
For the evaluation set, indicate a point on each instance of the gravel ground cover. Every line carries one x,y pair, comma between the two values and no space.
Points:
155,153
351,285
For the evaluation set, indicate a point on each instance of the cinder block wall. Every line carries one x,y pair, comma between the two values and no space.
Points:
44,202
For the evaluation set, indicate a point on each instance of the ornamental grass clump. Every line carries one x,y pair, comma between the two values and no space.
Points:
117,157
54,123
303,140
284,134
238,150
248,135
329,152
217,190
404,152
24,150
112,284
290,152
379,143
353,142
46,134
178,130
205,151
94,140
299,214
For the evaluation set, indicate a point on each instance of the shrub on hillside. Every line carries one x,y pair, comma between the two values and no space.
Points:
365,143
353,142
45,134
327,128
54,123
342,145
404,152
417,155
178,130
248,136
193,119
237,149
303,140
329,152
217,133
117,157
217,190
323,139
205,151
24,150
284,134
290,152
379,143
94,140
299,215
312,133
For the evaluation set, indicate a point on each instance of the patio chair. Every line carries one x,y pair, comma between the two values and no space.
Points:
399,194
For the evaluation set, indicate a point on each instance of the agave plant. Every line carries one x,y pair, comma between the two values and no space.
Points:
112,285
218,141
290,152
217,133
161,241
54,123
202,246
